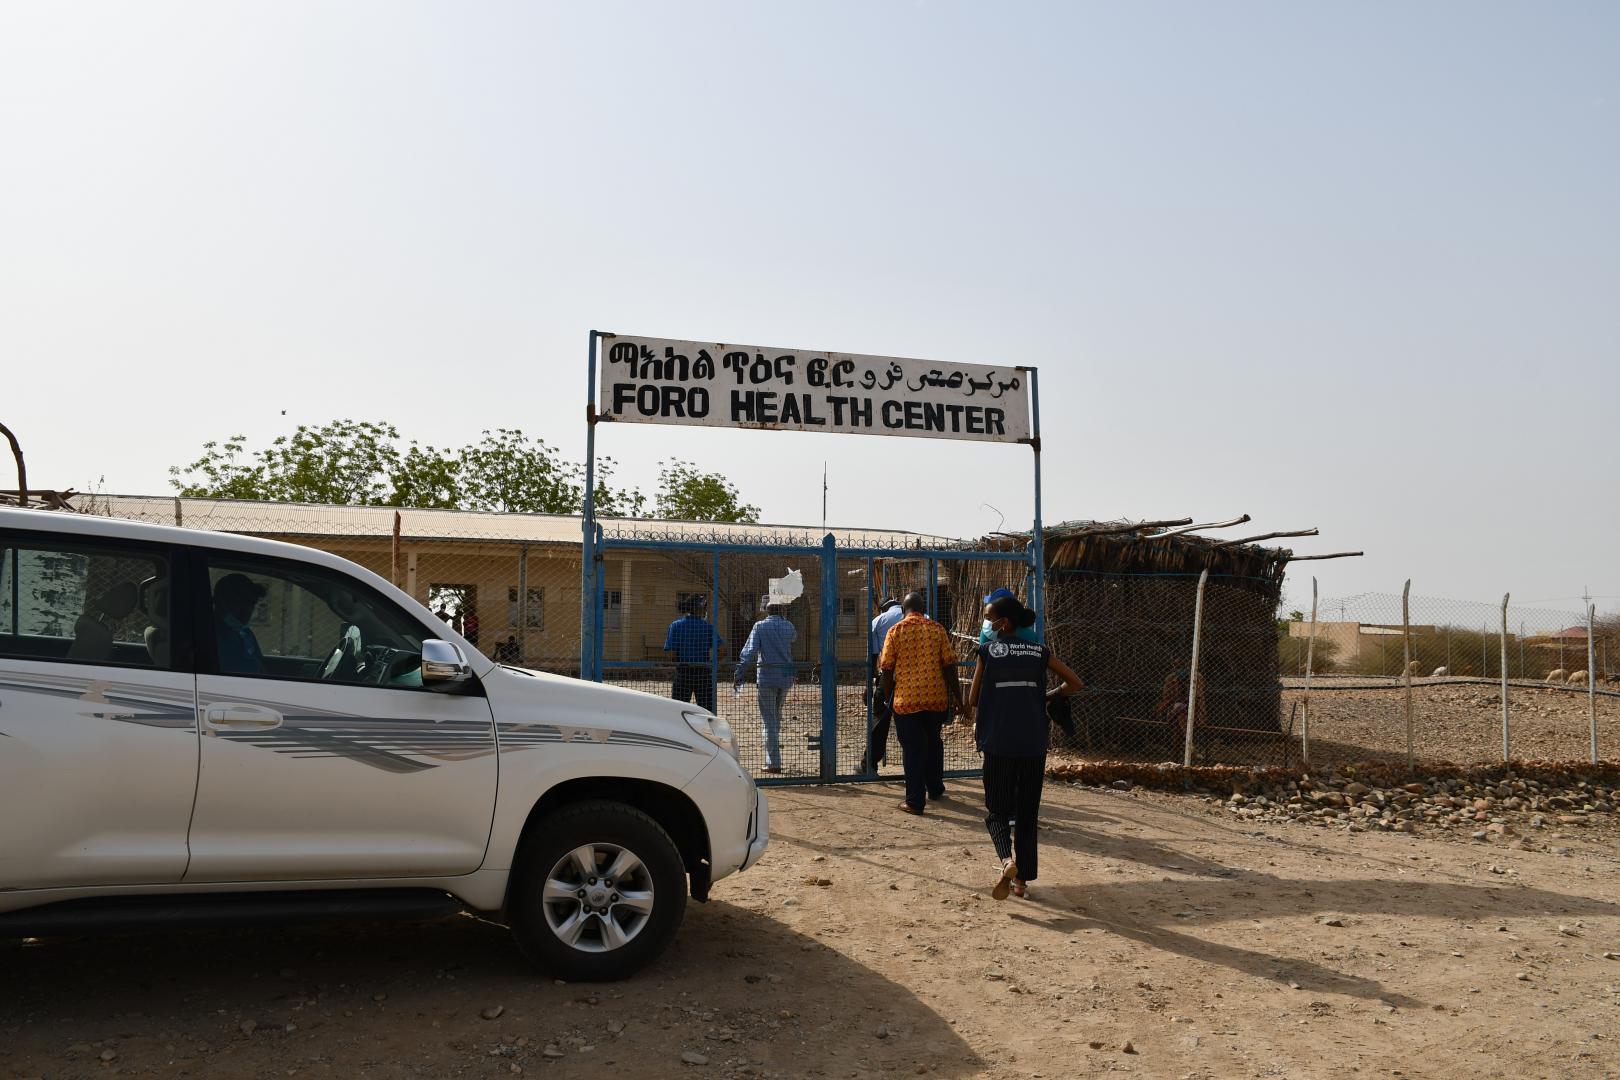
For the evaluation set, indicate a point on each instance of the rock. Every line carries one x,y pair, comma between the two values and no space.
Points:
615,1027
811,880
493,1012
109,1055
790,902
1332,922
1121,785
693,1058
823,881
248,1027
1568,931
1522,976
882,1031
1357,789
1095,1045
1128,1048
552,1051
1611,956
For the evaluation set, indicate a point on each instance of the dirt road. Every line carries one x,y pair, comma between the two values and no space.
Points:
1214,948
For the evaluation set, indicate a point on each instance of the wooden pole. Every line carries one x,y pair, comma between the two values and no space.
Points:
1406,666
1504,678
1266,536
22,469
393,554
1192,672
1310,659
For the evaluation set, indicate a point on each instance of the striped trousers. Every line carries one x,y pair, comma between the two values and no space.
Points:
1012,804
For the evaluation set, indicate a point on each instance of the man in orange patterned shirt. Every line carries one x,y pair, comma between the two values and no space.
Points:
919,680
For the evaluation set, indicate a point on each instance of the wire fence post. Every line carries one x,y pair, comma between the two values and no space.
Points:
1591,677
1305,709
1192,671
1406,666
1504,678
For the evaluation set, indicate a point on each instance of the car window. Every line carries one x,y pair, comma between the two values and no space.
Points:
278,619
84,603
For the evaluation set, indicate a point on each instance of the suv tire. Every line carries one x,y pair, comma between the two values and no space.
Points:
599,891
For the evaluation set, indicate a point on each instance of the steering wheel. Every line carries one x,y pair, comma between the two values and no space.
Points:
344,665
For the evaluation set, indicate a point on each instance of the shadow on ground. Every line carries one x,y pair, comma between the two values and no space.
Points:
738,988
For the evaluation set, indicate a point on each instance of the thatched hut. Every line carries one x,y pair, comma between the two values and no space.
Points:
1120,600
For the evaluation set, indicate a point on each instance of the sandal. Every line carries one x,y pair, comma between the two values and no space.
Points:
909,809
1009,873
1020,888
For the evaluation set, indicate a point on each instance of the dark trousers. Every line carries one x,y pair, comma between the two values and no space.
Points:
1012,804
877,739
924,752
694,682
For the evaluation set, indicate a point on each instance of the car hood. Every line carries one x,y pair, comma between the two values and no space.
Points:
527,696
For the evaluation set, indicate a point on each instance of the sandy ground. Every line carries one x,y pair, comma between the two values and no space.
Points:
1214,947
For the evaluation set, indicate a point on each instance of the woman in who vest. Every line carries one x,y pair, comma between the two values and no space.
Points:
1008,705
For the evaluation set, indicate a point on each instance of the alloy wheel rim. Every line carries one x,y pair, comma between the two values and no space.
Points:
598,898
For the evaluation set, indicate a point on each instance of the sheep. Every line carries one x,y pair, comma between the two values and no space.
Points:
1579,678
1440,672
1413,668
1557,675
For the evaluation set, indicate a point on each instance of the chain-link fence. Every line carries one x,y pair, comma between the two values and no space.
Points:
793,673
1485,681
1131,639
1268,688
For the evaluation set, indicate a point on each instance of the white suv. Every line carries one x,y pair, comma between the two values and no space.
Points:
203,726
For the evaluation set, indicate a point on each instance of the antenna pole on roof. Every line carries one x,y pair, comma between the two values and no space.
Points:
824,496
1335,555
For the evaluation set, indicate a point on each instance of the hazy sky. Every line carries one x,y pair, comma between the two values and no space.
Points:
1350,265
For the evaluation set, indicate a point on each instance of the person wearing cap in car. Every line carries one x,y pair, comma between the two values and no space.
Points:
235,597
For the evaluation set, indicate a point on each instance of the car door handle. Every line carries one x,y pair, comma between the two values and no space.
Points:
237,717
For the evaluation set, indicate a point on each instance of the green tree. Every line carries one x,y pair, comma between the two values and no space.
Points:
354,463
345,463
510,472
429,478
687,493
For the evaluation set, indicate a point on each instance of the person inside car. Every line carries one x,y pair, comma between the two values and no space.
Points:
235,597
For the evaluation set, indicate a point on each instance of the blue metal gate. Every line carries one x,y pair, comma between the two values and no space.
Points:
823,721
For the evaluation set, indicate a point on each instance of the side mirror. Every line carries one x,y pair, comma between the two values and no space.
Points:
442,664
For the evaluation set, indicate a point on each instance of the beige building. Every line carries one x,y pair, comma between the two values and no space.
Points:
512,581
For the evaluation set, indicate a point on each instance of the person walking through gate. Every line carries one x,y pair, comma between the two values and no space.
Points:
692,643
877,740
770,647
919,679
1008,703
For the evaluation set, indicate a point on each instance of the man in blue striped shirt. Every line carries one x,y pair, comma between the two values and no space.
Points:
770,649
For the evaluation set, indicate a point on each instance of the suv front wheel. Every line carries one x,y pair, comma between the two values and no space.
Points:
600,891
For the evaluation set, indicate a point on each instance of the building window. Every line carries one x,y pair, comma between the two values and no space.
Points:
612,609
849,615
537,607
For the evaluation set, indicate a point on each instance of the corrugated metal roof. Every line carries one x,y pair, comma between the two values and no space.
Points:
309,520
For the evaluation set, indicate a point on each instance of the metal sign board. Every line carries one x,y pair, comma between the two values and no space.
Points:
646,380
